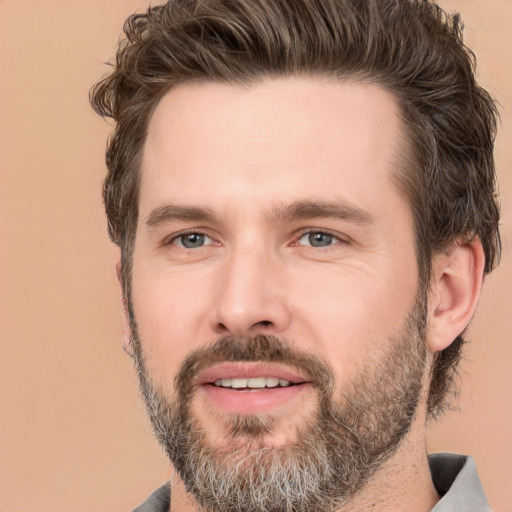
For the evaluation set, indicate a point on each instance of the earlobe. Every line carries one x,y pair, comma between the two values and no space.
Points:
455,290
127,331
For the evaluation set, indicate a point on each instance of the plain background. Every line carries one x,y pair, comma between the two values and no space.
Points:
73,435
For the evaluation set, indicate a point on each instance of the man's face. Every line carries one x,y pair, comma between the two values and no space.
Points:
275,257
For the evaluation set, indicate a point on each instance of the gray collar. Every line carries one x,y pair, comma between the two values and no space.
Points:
456,480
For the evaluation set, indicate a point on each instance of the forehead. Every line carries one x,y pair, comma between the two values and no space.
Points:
277,140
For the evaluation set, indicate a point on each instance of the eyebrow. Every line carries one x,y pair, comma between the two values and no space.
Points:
168,213
303,210
298,210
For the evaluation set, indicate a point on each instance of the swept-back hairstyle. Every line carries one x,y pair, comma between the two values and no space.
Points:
412,48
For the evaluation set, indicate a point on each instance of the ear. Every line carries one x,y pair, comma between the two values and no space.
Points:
454,293
127,331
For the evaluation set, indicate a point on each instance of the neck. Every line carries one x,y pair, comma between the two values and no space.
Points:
401,484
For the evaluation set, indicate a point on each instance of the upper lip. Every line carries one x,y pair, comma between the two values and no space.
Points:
248,370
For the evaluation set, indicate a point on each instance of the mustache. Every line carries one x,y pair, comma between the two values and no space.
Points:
258,348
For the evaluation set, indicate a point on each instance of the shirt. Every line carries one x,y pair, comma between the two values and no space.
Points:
454,476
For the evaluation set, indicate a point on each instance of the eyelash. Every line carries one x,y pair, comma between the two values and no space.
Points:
309,231
171,240
335,238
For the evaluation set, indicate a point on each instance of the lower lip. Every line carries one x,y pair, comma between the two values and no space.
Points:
252,402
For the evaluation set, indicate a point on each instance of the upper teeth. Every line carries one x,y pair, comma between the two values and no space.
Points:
254,382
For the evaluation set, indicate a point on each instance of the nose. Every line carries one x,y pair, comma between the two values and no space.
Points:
250,297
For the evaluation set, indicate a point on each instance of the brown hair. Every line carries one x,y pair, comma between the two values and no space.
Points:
410,47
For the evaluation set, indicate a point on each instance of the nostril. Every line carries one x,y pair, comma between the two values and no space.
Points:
222,327
264,323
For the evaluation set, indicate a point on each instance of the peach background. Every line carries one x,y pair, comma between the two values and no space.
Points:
73,437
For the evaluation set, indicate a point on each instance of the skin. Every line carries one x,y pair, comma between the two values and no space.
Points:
246,154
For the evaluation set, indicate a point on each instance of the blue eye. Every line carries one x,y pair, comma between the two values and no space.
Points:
192,240
317,239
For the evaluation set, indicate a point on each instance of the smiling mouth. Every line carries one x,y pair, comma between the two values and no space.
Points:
250,388
253,383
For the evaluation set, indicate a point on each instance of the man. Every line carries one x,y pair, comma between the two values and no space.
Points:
304,197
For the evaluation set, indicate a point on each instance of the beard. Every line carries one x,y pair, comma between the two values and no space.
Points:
334,453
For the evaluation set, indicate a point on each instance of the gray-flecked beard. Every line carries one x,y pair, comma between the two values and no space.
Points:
334,453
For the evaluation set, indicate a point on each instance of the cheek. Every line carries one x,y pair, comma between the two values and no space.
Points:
348,318
167,311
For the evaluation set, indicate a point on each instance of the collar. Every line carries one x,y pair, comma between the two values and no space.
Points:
456,480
